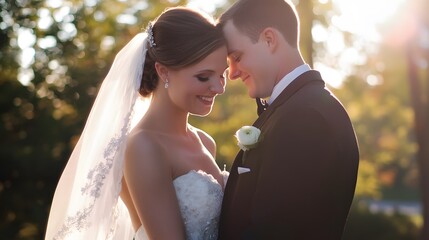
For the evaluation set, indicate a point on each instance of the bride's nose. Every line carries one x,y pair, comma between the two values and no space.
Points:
218,86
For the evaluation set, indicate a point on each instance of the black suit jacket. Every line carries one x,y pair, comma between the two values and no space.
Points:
303,171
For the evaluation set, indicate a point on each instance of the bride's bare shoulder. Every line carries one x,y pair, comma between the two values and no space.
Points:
206,139
144,147
141,136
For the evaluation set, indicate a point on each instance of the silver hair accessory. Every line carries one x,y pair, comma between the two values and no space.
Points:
150,35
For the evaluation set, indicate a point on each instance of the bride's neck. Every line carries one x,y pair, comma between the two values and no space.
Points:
165,117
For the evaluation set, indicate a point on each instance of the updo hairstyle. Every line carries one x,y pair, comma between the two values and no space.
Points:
182,37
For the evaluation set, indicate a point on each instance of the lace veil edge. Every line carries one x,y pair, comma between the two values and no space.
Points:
86,203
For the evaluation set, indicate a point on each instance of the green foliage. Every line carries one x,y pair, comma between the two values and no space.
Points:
383,121
41,121
362,224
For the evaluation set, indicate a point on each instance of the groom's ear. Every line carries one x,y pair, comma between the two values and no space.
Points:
269,36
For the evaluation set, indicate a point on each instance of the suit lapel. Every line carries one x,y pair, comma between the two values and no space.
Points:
304,79
311,76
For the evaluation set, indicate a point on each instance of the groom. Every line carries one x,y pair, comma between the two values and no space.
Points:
299,181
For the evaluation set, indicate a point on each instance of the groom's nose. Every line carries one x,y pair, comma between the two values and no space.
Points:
233,72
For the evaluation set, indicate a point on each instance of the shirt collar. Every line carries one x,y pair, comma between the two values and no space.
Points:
286,80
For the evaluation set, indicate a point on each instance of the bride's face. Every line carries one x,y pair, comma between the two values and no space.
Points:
193,89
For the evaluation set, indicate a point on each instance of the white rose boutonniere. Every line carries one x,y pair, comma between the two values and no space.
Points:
247,137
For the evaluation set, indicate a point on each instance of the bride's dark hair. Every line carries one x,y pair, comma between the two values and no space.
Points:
182,37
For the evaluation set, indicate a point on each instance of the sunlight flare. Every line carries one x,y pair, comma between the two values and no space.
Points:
362,17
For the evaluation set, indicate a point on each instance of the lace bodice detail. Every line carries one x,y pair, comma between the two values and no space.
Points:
200,199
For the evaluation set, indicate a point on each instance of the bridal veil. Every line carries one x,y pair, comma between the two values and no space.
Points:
86,203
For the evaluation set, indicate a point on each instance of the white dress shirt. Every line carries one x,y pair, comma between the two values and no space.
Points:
286,80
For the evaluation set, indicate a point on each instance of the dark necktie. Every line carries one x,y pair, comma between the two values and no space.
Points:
262,105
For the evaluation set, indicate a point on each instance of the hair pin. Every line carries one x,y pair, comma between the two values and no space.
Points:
149,31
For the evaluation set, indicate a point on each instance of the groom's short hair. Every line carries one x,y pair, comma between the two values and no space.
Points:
251,17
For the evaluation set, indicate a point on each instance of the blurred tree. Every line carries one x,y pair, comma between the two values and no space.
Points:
363,224
373,94
59,51
307,17
417,50
382,117
313,13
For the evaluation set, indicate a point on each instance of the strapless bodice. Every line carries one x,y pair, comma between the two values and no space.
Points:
200,199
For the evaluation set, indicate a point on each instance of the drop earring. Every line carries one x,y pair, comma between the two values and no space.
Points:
166,83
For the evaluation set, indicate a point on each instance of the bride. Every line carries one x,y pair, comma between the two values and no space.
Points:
140,170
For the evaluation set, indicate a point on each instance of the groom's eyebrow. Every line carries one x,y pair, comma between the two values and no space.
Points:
231,52
234,51
231,55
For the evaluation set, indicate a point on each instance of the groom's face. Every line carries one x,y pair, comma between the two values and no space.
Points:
248,61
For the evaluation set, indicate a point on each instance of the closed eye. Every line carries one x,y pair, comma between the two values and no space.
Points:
235,58
202,79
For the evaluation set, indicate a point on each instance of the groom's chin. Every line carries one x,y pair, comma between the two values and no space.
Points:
252,94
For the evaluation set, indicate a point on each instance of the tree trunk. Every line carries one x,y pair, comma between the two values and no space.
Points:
419,90
306,17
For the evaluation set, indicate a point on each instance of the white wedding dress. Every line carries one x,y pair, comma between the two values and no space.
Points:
87,202
200,199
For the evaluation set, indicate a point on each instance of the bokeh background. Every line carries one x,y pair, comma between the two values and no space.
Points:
373,54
